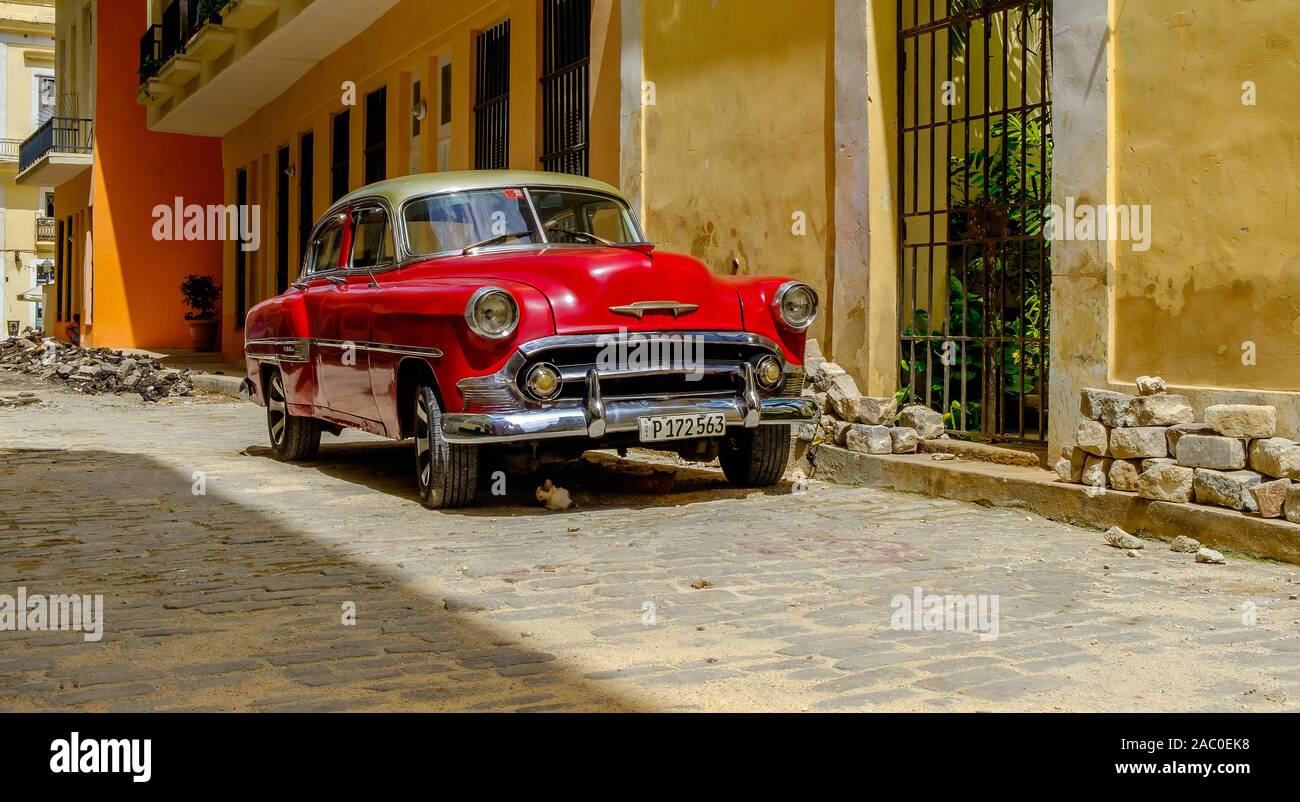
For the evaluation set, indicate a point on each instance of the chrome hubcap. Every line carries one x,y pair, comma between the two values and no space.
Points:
276,411
423,461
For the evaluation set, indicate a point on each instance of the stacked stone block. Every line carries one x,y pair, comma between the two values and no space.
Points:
866,424
1151,444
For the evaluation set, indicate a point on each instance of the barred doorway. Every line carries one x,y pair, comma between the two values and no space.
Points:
975,156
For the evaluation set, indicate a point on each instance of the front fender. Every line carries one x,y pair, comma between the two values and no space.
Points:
757,294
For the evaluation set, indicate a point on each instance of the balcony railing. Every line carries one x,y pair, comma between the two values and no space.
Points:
9,149
57,135
150,53
45,229
180,21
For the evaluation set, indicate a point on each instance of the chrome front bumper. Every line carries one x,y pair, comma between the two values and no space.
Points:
593,417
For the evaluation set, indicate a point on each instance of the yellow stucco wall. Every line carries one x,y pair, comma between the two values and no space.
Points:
740,136
410,38
1224,264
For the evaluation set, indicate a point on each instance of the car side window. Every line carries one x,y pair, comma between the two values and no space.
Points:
325,248
372,237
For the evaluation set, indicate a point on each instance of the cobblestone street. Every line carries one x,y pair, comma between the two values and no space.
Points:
654,594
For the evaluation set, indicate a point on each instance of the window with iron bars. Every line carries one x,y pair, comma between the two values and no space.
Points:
565,83
492,99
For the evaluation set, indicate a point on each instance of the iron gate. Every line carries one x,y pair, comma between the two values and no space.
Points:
974,154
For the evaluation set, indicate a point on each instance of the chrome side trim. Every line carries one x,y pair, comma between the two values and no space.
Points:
279,349
298,349
431,353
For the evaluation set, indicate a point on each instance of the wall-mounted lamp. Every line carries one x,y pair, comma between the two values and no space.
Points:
420,110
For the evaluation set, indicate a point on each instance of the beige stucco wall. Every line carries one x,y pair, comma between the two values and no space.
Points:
1220,176
1148,110
739,138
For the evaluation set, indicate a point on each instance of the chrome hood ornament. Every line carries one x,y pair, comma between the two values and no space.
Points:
638,309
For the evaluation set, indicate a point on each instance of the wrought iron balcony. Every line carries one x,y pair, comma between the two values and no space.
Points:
181,20
68,140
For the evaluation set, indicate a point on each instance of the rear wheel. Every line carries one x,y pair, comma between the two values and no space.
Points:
446,473
292,437
756,457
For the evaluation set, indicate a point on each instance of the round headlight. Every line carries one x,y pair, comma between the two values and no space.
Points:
769,372
492,313
544,382
796,305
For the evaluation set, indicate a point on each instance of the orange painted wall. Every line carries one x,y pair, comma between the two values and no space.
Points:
137,302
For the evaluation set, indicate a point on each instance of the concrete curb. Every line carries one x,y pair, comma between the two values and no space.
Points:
1036,490
216,385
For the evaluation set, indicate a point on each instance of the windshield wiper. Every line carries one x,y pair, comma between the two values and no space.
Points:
497,240
588,236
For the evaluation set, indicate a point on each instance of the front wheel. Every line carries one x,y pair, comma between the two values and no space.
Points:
293,437
756,457
446,473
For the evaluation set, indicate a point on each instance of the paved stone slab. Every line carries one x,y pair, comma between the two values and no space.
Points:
326,586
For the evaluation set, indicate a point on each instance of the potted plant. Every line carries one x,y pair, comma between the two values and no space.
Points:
201,294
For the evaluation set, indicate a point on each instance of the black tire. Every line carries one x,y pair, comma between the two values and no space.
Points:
293,438
446,473
757,457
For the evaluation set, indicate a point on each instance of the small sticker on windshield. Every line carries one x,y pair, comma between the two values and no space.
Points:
514,194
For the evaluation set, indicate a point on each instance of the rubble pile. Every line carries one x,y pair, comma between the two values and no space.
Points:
1152,445
93,370
862,423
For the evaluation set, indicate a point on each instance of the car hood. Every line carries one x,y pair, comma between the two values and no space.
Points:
582,283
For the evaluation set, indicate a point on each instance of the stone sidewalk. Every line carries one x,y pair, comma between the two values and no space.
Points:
660,592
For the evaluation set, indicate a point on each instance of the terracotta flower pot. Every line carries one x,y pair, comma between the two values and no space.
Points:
203,334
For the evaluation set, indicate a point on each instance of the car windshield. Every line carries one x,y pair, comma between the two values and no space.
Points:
501,217
568,214
458,220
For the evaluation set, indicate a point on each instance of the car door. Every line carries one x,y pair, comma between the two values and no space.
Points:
339,319
322,272
347,309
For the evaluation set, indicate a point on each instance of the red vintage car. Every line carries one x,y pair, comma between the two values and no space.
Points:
521,315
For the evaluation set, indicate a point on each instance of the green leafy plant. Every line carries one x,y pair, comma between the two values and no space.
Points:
201,294
210,10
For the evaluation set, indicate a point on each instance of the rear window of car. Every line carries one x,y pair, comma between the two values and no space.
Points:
325,248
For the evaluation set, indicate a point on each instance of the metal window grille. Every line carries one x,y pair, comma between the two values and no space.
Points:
377,135
282,219
306,187
565,86
492,99
241,256
340,148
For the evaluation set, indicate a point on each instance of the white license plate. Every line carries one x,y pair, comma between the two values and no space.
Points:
682,427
